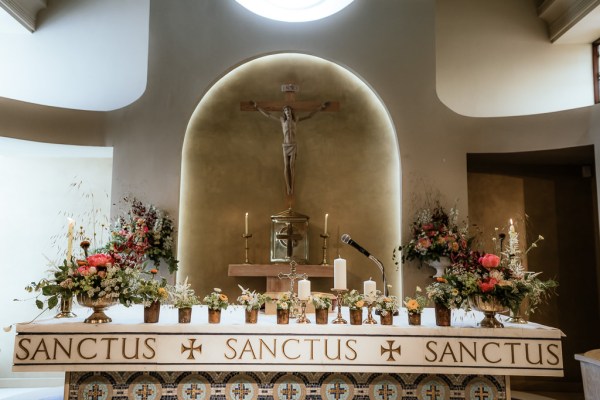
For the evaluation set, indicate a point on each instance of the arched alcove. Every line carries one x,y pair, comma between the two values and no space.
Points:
347,166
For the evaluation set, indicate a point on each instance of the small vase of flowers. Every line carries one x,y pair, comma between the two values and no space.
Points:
252,302
151,292
355,302
386,307
322,305
216,301
284,303
415,305
183,298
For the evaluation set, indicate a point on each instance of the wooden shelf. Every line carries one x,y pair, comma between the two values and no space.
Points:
271,272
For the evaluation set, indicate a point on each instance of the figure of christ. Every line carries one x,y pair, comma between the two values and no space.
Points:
288,121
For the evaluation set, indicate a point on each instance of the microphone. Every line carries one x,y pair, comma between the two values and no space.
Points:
348,240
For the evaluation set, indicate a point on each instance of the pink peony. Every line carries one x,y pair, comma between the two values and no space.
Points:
99,260
488,286
489,261
424,242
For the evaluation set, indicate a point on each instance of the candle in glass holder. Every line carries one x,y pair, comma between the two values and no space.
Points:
303,289
339,274
370,287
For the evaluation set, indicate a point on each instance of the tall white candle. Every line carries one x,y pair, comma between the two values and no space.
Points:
304,289
339,274
370,287
325,228
512,227
246,224
70,239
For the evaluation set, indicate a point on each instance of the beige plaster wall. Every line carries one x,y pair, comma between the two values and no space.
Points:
347,166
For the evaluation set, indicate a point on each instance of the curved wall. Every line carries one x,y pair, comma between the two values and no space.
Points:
347,166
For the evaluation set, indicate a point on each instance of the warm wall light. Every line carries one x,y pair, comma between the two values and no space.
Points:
294,10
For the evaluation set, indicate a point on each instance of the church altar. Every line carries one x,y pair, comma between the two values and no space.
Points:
168,360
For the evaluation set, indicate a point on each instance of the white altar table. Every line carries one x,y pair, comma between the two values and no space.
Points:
221,358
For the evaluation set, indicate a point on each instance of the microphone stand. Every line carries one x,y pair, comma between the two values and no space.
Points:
382,269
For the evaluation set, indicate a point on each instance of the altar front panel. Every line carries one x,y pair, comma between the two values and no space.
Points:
50,345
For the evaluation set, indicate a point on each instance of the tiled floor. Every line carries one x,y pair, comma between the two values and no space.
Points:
52,393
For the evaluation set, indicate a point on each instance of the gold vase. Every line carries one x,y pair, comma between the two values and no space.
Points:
489,308
185,315
98,306
252,316
152,312
214,316
283,317
442,315
356,317
66,308
414,318
387,319
322,316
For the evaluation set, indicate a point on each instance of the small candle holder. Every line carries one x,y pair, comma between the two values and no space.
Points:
302,318
325,236
246,236
339,293
370,320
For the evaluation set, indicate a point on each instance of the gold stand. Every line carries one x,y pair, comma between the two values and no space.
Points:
339,293
246,236
370,320
302,318
325,236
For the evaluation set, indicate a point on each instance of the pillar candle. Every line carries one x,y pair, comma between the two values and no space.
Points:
70,240
370,287
325,228
512,227
304,289
339,274
246,224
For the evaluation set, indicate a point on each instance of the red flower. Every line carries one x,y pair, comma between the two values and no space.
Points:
489,261
488,285
99,260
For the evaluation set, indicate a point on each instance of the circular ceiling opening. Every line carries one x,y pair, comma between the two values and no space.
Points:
294,10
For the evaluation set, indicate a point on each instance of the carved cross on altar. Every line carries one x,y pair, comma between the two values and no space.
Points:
289,236
289,108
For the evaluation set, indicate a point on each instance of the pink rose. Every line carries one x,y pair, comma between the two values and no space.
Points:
99,260
424,242
489,260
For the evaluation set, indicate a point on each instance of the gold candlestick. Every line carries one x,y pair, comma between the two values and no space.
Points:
339,319
246,236
302,319
324,236
370,320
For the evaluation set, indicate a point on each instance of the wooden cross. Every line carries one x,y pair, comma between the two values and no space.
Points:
289,91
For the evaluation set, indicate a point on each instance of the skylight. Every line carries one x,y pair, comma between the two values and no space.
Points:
295,10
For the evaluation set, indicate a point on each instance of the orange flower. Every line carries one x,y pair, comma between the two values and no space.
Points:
222,297
412,304
440,279
154,271
360,303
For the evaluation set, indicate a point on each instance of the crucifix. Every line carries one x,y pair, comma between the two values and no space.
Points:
288,119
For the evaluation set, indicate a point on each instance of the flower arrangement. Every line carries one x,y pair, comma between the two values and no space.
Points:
251,300
285,301
502,278
216,300
150,290
320,302
386,304
415,304
442,292
181,295
144,233
354,299
435,233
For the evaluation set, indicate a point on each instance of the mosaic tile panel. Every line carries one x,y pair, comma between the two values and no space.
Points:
281,386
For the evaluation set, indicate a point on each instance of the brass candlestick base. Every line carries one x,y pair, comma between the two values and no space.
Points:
370,319
246,236
339,293
325,236
302,319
